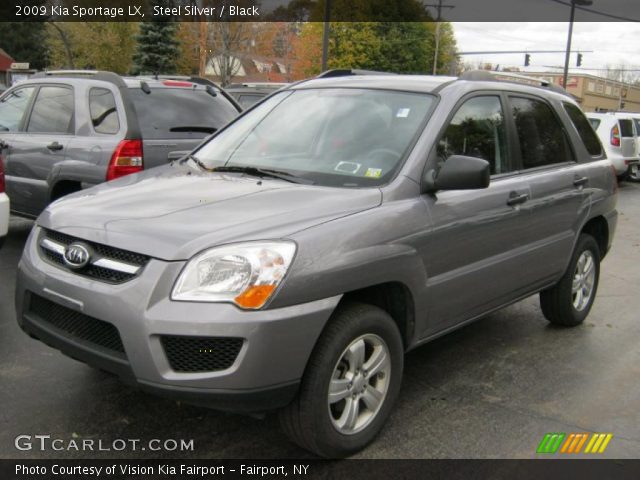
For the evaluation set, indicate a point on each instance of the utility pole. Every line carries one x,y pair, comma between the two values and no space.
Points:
202,70
325,35
568,51
439,8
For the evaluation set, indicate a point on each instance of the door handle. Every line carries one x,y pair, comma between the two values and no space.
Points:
516,198
55,146
580,181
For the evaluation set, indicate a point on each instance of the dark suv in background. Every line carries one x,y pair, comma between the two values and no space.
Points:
64,131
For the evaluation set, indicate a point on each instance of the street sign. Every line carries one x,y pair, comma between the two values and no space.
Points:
19,66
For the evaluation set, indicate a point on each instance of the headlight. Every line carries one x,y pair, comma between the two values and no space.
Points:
246,274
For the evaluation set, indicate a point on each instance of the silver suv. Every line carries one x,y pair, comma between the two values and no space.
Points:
63,131
289,262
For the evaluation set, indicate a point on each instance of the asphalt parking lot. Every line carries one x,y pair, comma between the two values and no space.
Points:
489,390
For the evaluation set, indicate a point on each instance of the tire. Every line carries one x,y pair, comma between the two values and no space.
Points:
314,423
563,306
633,175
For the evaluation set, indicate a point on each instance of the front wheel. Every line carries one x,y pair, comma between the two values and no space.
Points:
569,301
350,384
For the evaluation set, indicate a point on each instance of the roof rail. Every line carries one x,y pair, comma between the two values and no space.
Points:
346,72
95,74
186,78
490,76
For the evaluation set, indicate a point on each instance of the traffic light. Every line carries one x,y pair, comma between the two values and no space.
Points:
579,62
527,59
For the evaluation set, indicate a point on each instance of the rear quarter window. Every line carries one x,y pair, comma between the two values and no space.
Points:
595,123
104,114
626,127
585,130
181,113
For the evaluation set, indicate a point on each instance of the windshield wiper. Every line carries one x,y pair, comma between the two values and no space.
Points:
263,172
194,128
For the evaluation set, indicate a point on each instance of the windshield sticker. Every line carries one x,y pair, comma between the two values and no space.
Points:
373,173
403,112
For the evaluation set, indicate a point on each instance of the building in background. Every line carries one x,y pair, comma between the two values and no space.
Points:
5,69
597,94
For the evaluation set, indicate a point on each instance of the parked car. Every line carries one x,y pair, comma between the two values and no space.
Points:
634,169
619,137
248,94
69,130
290,261
4,203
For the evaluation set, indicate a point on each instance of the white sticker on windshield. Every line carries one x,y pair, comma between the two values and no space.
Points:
403,112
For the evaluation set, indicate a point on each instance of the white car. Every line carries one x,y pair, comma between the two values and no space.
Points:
619,136
4,206
634,171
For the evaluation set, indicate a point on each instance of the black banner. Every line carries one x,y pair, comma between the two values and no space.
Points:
316,469
314,10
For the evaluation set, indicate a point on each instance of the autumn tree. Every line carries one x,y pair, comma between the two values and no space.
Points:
91,45
401,47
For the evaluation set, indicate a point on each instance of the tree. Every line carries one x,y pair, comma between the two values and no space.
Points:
227,43
25,42
401,47
92,45
158,48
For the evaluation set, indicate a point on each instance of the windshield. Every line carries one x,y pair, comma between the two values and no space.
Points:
333,137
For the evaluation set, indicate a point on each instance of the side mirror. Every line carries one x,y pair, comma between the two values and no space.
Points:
458,173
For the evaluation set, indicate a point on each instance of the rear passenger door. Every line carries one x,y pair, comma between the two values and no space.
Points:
559,185
43,142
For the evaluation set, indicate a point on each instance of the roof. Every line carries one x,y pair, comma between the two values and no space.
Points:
5,61
416,83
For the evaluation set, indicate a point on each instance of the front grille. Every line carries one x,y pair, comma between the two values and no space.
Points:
76,325
201,354
102,251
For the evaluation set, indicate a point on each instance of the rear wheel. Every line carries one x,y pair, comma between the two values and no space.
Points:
634,173
569,301
350,385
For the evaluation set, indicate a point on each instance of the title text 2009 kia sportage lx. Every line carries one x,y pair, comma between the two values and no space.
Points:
290,261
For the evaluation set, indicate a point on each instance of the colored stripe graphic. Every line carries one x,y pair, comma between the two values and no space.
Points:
550,443
573,442
598,443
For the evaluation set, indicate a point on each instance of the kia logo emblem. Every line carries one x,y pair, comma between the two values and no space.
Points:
76,255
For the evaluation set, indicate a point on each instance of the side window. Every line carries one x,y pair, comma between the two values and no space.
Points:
13,107
102,107
626,127
478,130
52,111
542,138
588,136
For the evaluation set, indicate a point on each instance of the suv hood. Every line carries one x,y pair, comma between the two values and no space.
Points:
173,212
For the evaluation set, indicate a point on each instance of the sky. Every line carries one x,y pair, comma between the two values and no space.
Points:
614,44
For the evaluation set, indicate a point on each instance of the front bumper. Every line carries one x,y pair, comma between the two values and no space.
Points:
264,375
